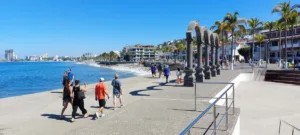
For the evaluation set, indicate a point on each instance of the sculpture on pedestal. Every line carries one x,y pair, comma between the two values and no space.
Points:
207,34
217,54
213,66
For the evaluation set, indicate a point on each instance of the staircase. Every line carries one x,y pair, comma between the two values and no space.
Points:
283,76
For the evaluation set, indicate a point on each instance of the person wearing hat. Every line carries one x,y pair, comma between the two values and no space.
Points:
100,92
117,90
167,72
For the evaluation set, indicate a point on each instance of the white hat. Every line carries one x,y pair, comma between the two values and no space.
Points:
101,79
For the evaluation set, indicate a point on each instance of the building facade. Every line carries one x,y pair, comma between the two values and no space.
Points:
275,42
10,55
141,52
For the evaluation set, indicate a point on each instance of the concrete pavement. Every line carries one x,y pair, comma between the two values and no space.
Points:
152,107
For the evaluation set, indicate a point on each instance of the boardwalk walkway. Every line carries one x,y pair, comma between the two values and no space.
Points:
152,107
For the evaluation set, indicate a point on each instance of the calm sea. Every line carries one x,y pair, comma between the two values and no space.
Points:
20,78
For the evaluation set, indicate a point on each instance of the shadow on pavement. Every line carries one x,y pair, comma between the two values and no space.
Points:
137,92
56,92
56,117
107,107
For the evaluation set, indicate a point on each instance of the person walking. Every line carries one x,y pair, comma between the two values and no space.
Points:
117,90
167,73
160,70
78,100
179,75
71,76
100,92
153,70
67,97
65,78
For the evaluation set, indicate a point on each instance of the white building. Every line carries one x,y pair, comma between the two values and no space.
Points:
10,55
274,45
138,52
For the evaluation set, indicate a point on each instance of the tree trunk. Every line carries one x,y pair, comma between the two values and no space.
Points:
280,48
259,53
223,50
286,59
252,46
292,42
232,49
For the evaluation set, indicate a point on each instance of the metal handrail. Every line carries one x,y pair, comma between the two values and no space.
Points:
288,125
212,105
258,75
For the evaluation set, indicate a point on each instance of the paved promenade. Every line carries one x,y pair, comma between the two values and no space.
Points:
263,104
151,107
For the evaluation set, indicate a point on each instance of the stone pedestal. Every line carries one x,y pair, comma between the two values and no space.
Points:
207,72
199,74
218,70
188,78
213,71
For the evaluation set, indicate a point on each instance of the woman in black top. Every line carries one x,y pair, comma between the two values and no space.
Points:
77,101
67,97
65,78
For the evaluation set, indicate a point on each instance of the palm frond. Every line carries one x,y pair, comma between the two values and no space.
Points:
242,28
295,6
277,9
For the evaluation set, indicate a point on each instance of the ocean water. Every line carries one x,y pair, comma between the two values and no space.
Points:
21,78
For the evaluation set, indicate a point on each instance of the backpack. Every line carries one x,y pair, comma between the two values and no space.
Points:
80,94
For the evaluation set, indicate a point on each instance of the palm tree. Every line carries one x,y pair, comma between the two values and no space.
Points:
254,23
164,50
112,55
293,20
279,27
220,28
270,26
180,46
259,38
234,23
285,10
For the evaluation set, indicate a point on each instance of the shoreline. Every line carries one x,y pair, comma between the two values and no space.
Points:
132,70
107,82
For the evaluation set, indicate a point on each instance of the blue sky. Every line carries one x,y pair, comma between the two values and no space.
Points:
73,27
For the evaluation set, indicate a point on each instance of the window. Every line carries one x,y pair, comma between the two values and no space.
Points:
298,54
273,34
295,41
274,43
289,54
272,55
282,33
298,31
289,32
267,35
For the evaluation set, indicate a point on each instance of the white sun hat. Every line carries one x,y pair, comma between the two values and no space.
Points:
102,79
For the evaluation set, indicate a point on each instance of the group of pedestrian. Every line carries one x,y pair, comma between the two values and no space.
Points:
75,95
160,70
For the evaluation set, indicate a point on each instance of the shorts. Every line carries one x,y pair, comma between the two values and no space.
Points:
117,95
67,100
102,103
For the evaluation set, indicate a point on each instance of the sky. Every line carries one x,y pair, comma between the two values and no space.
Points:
74,27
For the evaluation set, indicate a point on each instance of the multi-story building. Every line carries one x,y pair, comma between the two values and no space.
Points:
274,44
10,55
139,52
34,58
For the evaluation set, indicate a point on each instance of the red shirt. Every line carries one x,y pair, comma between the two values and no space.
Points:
99,90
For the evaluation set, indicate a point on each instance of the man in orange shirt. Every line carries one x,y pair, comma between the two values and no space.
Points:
100,92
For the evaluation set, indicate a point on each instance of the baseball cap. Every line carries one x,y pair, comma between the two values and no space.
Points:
101,79
116,75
